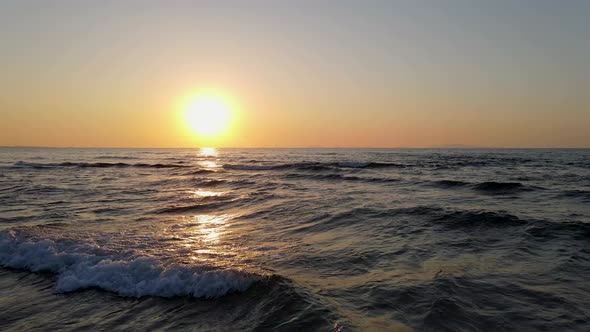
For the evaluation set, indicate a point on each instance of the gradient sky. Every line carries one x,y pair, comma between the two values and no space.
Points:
304,73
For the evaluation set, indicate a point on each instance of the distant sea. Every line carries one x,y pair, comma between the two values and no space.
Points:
294,239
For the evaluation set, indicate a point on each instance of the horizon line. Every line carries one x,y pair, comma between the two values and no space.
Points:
300,147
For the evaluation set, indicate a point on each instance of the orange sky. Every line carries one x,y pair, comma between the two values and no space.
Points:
304,74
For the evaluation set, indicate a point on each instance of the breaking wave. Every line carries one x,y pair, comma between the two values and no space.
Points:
81,266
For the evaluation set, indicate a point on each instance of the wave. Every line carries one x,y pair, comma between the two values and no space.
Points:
219,182
558,231
501,187
41,189
445,302
339,177
116,157
431,215
536,227
585,194
363,215
95,165
243,167
490,187
194,207
201,172
385,165
450,184
256,167
81,266
350,164
478,218
312,166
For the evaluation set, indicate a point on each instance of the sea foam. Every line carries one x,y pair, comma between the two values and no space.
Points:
80,266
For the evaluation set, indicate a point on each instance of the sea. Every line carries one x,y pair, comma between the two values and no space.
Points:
294,239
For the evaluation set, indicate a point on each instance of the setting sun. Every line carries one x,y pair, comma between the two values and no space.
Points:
208,115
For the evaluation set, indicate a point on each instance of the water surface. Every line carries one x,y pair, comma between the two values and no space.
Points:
294,239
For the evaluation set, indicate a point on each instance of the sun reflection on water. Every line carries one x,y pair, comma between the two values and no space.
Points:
211,219
218,240
213,235
201,231
206,193
210,227
209,164
208,152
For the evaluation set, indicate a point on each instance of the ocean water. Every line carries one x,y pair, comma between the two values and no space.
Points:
294,240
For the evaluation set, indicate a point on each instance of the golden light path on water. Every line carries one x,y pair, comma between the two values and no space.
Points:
206,193
211,227
208,152
203,235
211,155
214,237
209,164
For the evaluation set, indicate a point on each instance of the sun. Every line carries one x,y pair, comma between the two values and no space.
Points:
208,115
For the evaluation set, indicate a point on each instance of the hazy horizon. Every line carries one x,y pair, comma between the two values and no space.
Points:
451,146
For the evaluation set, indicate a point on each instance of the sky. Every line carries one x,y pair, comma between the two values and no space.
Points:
296,73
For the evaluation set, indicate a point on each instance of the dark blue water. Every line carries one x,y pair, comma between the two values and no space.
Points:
302,239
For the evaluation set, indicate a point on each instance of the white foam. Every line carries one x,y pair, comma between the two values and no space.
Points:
128,274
